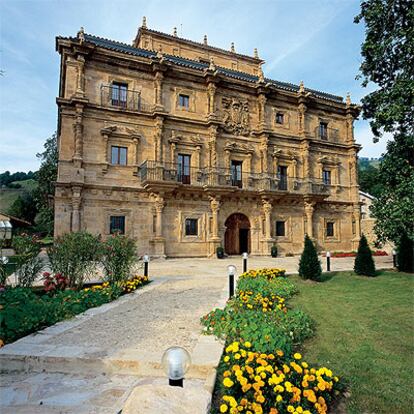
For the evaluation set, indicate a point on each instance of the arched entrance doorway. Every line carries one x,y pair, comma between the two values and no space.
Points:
237,236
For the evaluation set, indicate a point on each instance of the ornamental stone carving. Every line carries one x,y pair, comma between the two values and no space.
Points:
236,116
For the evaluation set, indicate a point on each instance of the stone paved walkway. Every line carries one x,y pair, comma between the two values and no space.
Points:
92,362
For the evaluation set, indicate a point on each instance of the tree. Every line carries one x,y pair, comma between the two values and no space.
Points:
405,255
369,181
388,55
309,264
24,207
364,263
46,178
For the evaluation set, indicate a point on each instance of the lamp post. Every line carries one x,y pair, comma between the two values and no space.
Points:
394,258
328,261
231,270
175,362
245,256
146,260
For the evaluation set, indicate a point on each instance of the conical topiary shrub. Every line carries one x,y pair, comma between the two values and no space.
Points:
309,264
364,263
405,254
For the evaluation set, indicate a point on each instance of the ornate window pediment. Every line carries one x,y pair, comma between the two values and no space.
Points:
233,146
236,116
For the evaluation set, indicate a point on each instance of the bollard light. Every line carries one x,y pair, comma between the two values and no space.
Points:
231,270
245,256
394,258
328,261
175,362
146,260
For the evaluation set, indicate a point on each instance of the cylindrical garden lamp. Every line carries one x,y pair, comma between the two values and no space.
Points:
146,260
175,363
231,270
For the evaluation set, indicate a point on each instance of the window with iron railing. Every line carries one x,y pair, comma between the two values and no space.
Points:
183,168
236,174
119,94
117,224
282,176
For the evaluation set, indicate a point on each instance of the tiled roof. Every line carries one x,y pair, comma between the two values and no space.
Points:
131,50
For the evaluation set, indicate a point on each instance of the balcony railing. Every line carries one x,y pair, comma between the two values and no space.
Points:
152,172
327,134
122,98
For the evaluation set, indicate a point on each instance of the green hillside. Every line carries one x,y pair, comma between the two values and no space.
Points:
8,195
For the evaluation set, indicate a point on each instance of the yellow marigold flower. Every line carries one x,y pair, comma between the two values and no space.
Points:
291,409
279,398
297,355
226,358
227,382
247,344
237,356
226,373
260,399
223,408
279,353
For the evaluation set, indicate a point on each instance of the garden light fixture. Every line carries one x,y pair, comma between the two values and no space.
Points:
394,258
146,260
245,256
231,270
175,362
328,261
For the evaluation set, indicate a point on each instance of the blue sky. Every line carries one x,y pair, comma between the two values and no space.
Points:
311,40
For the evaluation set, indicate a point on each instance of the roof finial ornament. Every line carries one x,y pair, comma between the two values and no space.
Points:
175,32
144,22
301,87
256,53
81,35
205,40
348,99
159,53
212,66
233,50
261,74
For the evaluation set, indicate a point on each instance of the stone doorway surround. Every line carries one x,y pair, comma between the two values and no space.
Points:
237,234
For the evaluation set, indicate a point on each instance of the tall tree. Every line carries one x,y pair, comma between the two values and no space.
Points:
388,56
46,177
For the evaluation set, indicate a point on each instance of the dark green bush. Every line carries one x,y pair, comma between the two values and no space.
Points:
309,264
405,254
364,263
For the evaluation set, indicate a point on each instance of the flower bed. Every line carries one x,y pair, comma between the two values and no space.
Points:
353,254
260,372
23,311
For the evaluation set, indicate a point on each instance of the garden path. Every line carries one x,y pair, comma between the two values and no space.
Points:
91,363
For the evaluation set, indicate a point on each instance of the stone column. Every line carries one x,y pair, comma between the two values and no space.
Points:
159,121
135,140
158,90
76,204
159,206
212,146
198,157
215,206
78,132
309,209
302,125
264,147
262,108
80,80
267,209
211,99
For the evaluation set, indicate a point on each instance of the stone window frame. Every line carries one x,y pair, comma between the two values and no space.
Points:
184,91
286,118
108,212
200,216
197,220
288,228
336,228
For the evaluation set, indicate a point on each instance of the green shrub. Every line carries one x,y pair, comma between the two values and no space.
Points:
75,256
364,263
28,264
118,258
309,264
23,311
405,254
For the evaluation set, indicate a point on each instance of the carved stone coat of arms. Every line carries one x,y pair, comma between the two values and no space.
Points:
236,116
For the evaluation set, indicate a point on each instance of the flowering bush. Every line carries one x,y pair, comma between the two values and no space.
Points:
353,254
134,283
259,383
268,273
53,283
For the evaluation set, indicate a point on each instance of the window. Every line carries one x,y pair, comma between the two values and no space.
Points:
119,155
191,227
280,118
330,229
236,173
119,93
117,225
323,130
183,167
184,101
282,176
326,177
280,228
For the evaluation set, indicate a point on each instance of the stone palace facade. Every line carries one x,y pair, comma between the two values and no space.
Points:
185,147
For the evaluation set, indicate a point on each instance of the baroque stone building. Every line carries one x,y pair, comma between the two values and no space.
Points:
185,147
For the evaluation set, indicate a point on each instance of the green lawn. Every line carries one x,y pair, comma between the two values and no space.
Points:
365,333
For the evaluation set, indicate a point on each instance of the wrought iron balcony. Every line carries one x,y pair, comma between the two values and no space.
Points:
156,173
115,96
